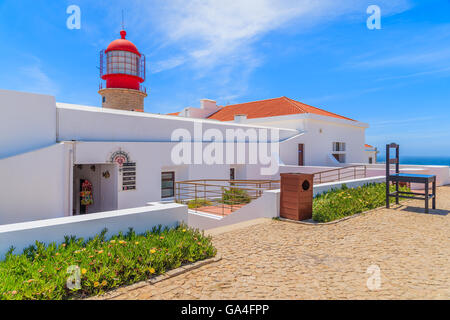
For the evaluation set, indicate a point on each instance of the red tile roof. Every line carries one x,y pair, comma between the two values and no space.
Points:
173,114
368,146
270,108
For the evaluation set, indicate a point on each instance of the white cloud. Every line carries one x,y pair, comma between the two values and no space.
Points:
36,80
218,38
406,59
170,63
29,76
209,30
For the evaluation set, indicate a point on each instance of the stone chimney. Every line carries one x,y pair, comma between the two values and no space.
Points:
208,104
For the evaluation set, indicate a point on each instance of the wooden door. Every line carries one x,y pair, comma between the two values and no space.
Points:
301,154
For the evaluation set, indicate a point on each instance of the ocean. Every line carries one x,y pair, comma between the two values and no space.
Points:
444,161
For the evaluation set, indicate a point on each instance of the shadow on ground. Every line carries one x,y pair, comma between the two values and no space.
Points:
438,212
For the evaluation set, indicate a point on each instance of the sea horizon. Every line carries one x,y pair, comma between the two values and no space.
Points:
420,160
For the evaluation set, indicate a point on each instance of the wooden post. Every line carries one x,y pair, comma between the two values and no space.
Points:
195,190
434,194
387,175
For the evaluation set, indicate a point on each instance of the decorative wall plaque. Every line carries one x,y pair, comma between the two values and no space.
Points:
126,168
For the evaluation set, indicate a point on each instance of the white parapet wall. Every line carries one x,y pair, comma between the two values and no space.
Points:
442,173
266,206
324,187
22,235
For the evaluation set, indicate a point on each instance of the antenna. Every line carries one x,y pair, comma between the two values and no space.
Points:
123,25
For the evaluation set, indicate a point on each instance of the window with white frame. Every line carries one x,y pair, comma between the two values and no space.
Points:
338,146
339,151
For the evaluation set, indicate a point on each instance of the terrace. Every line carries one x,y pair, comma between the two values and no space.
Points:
223,197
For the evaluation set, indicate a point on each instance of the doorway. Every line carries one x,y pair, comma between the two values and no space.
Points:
232,173
85,195
95,188
301,154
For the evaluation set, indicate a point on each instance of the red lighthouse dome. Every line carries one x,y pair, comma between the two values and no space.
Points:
122,65
122,45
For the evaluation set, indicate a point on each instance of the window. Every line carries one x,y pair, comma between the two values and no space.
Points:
104,99
370,160
167,184
338,146
123,62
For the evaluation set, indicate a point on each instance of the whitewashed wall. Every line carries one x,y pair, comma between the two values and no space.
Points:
21,235
319,133
321,144
83,123
266,206
35,185
27,122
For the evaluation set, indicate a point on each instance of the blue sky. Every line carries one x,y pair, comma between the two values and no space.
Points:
397,79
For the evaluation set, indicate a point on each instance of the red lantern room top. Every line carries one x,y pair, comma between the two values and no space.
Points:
122,65
123,45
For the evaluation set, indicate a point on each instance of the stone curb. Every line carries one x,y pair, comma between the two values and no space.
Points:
169,274
183,269
339,220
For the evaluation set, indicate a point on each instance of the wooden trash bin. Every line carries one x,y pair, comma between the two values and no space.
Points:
296,199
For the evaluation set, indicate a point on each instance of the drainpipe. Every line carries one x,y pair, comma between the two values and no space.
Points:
71,161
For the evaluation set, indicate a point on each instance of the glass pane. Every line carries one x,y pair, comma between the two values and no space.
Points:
166,193
167,175
167,184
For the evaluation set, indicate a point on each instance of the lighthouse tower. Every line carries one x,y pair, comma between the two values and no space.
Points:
122,67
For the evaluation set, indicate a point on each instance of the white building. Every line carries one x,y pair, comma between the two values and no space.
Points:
326,139
48,149
371,153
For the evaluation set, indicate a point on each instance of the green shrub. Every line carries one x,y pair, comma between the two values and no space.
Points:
343,202
41,272
198,203
235,196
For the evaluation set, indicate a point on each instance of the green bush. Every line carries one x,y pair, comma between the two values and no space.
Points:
235,196
41,272
198,203
343,202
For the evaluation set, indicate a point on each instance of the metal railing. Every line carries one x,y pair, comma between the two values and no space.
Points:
340,174
220,197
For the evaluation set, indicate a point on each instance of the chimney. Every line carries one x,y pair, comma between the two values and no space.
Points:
208,104
185,112
240,118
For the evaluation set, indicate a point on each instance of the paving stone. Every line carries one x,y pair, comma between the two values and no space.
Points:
282,260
